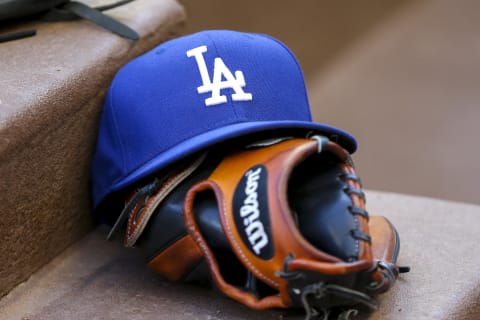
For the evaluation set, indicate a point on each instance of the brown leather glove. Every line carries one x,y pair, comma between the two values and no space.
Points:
277,224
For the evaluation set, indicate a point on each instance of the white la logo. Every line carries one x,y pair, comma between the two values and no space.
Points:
236,82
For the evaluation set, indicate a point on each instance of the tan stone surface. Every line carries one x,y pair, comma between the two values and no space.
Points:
52,88
97,279
439,240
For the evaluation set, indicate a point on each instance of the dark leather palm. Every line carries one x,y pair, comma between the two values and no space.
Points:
317,199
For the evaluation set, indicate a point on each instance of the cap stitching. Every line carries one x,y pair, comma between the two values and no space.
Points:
117,130
299,68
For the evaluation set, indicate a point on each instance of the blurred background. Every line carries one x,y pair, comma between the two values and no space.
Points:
402,76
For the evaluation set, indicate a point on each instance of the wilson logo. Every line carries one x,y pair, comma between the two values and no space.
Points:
251,213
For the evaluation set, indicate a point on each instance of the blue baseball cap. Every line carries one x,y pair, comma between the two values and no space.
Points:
193,92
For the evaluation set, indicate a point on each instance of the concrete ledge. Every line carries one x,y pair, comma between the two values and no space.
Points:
52,91
98,279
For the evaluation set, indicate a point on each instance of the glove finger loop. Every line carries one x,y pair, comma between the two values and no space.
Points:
247,298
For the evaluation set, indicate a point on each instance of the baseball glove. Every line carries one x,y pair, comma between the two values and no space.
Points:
278,224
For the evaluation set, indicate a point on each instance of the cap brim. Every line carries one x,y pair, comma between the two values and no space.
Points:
210,138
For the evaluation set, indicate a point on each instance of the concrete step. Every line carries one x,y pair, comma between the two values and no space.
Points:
98,279
52,88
